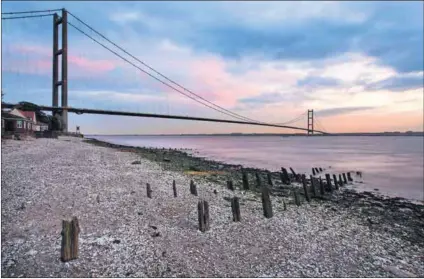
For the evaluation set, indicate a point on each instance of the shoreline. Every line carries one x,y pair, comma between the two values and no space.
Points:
126,234
384,209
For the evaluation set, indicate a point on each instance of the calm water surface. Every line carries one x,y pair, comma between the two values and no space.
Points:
394,165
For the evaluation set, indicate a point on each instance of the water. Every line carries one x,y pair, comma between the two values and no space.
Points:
394,165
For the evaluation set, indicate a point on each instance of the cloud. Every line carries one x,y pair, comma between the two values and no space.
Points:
266,98
316,81
398,83
338,111
125,17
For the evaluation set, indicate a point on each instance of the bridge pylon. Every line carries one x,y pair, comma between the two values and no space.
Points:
63,83
310,122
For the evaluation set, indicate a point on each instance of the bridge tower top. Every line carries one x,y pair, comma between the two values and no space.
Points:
310,122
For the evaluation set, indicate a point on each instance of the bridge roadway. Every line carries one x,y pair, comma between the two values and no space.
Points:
153,115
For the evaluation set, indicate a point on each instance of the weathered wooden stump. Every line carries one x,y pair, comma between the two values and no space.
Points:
336,183
344,178
230,185
174,188
245,181
340,180
329,186
235,206
349,177
258,181
266,203
286,176
313,171
70,232
305,189
321,187
317,170
320,169
296,197
269,177
294,173
193,188
314,192
203,215
148,190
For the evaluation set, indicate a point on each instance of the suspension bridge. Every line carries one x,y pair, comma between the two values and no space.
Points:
59,69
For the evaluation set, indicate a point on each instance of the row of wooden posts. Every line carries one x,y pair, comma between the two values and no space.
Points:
70,229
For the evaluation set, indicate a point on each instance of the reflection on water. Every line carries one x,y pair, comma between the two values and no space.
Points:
394,165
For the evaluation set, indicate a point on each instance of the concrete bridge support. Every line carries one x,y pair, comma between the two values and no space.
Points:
63,83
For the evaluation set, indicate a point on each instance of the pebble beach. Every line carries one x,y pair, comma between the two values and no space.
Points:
126,234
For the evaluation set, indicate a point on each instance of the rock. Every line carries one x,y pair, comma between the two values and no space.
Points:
371,221
166,160
98,199
116,241
399,273
154,227
136,163
32,252
215,192
375,189
156,234
139,213
22,207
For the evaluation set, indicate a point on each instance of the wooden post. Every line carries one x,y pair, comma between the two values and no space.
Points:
349,177
317,170
70,232
296,197
268,175
305,188
266,203
336,183
328,178
149,191
286,176
174,188
314,192
230,185
193,188
235,206
340,180
258,180
320,169
203,215
294,173
245,181
321,187
313,171
344,178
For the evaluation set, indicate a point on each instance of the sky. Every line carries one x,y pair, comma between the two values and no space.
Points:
358,65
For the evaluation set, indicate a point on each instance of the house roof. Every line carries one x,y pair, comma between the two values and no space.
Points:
6,115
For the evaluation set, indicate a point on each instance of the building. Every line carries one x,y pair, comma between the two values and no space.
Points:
32,116
23,122
12,123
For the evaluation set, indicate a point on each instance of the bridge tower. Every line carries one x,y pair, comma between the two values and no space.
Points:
310,122
63,83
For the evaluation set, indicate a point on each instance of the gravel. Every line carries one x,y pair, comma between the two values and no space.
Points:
126,234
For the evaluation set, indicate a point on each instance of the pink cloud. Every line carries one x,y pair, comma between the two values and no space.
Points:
92,66
39,61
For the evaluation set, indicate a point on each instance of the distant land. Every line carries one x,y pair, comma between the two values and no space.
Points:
408,133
